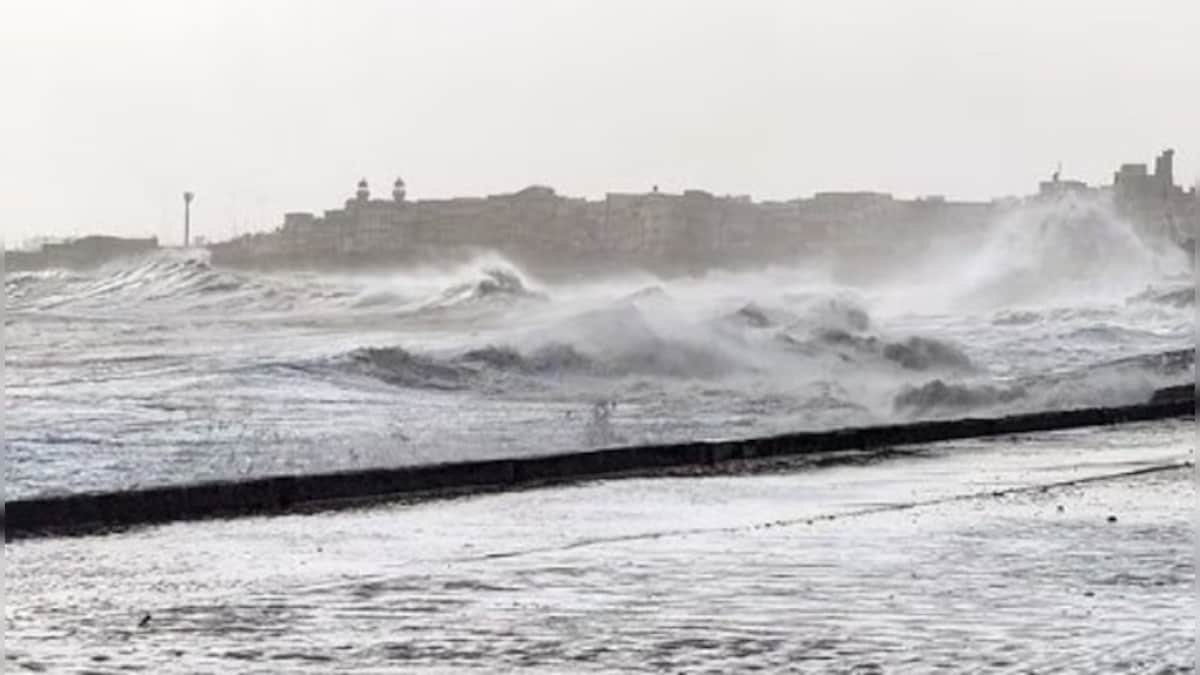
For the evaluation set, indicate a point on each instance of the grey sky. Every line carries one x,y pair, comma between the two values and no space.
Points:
111,109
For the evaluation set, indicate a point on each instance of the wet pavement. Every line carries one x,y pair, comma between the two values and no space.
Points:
1058,552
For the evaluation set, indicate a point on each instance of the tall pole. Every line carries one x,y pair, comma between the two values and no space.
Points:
187,218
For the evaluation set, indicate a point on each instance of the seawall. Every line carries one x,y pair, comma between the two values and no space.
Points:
91,513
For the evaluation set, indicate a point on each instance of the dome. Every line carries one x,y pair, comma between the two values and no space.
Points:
398,191
362,194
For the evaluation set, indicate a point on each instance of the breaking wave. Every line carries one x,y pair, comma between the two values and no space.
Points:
1176,295
911,353
643,340
472,368
185,281
1066,252
953,397
164,281
1118,382
491,284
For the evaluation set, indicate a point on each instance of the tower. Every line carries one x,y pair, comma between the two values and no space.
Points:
1164,168
398,191
187,218
363,193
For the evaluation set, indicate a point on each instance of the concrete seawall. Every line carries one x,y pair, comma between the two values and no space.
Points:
91,513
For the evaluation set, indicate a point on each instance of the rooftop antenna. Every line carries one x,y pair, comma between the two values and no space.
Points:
187,218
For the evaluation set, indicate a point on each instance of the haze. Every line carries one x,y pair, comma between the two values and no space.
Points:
112,109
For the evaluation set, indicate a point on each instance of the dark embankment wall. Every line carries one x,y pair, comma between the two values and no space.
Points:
97,512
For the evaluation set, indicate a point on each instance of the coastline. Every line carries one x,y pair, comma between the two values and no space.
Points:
94,513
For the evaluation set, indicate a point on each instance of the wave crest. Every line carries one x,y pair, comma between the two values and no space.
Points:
492,284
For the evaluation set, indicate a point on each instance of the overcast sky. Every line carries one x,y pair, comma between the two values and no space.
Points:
111,109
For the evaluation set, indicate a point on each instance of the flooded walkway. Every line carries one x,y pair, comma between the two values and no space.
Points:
1060,552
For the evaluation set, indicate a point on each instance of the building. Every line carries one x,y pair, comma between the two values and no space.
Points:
1153,200
668,232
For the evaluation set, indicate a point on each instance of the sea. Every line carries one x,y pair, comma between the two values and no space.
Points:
1007,555
166,369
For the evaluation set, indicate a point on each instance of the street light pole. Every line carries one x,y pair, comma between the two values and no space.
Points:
187,218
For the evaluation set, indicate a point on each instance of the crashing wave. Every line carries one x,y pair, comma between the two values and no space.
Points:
1173,297
624,338
1063,251
399,367
911,353
842,327
837,312
918,353
493,284
941,396
754,316
151,278
550,359
1125,381
1175,362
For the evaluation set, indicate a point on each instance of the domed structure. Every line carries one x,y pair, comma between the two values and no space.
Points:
363,193
398,191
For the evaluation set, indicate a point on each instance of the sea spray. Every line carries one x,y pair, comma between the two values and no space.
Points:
1051,253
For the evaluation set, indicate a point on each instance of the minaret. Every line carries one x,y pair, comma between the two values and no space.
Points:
398,192
363,193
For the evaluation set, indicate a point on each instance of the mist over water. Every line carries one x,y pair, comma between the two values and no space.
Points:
1072,251
167,369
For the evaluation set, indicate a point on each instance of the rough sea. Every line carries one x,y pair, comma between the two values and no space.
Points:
166,369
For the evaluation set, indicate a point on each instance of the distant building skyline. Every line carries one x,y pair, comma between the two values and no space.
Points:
1060,182
652,230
